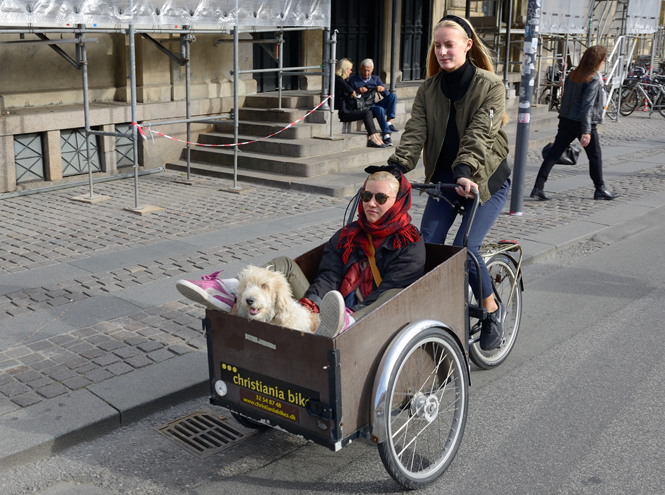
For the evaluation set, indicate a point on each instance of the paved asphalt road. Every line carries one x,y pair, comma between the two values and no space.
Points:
577,408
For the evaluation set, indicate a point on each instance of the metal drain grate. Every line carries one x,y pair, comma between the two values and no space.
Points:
204,433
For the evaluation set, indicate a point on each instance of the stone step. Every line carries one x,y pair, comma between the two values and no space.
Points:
335,174
339,185
289,147
539,121
307,100
271,100
308,166
301,130
537,138
286,115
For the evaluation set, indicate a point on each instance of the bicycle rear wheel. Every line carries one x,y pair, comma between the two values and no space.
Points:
611,110
629,101
503,273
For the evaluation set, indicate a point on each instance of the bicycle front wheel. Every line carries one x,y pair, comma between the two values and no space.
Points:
629,101
428,400
503,273
660,105
545,98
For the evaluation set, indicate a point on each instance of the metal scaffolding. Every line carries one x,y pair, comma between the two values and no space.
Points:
226,17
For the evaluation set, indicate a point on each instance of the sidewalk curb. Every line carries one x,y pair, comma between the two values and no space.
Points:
51,426
582,230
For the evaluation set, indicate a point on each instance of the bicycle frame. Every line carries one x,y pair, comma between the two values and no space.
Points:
652,103
492,248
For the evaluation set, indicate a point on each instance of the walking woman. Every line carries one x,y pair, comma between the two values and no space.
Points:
581,110
343,91
457,118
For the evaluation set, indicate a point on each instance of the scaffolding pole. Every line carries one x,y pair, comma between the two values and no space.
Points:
331,81
236,111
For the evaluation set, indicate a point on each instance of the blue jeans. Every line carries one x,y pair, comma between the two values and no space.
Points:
384,109
439,216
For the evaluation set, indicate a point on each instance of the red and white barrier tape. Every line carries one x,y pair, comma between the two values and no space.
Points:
142,129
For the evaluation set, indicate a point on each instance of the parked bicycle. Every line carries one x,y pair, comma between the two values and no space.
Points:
650,91
553,91
551,95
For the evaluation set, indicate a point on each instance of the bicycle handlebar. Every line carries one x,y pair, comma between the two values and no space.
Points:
436,191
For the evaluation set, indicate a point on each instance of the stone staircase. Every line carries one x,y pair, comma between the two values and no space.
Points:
303,157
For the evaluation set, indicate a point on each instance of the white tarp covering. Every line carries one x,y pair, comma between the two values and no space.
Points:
166,12
642,16
564,16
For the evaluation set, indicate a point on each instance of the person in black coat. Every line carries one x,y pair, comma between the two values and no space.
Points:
582,108
343,93
399,250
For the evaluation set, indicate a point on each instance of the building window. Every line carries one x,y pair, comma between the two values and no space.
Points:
29,157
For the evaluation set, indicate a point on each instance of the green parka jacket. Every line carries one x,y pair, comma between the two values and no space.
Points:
483,143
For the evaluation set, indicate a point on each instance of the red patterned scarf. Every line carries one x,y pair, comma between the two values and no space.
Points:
395,221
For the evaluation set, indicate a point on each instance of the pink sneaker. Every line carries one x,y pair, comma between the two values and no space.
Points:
212,292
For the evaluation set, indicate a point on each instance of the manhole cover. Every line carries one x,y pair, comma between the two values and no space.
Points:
205,433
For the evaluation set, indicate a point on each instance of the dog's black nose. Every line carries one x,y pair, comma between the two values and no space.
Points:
249,301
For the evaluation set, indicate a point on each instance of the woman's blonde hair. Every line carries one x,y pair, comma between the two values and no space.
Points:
478,54
387,177
342,67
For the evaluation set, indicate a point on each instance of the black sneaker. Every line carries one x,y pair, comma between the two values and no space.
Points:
393,128
491,334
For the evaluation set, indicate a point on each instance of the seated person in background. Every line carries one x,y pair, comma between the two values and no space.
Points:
345,282
383,110
342,93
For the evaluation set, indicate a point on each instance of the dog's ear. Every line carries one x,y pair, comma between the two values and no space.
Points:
283,294
242,281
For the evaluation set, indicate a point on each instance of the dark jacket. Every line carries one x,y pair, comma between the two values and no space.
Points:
583,102
483,142
357,82
342,92
398,267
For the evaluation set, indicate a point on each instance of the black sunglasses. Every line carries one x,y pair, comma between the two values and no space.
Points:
381,198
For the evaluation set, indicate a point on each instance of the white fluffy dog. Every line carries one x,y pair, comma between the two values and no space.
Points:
265,295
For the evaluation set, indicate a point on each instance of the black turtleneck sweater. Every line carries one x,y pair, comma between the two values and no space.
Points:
454,86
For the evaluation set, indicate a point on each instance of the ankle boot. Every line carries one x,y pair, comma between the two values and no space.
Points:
540,194
603,193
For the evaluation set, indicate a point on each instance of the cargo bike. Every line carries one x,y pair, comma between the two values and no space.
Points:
398,377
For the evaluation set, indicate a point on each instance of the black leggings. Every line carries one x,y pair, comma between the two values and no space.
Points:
569,130
364,115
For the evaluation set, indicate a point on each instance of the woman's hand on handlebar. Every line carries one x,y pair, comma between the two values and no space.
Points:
464,187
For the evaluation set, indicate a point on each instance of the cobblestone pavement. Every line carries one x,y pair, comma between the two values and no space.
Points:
48,229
